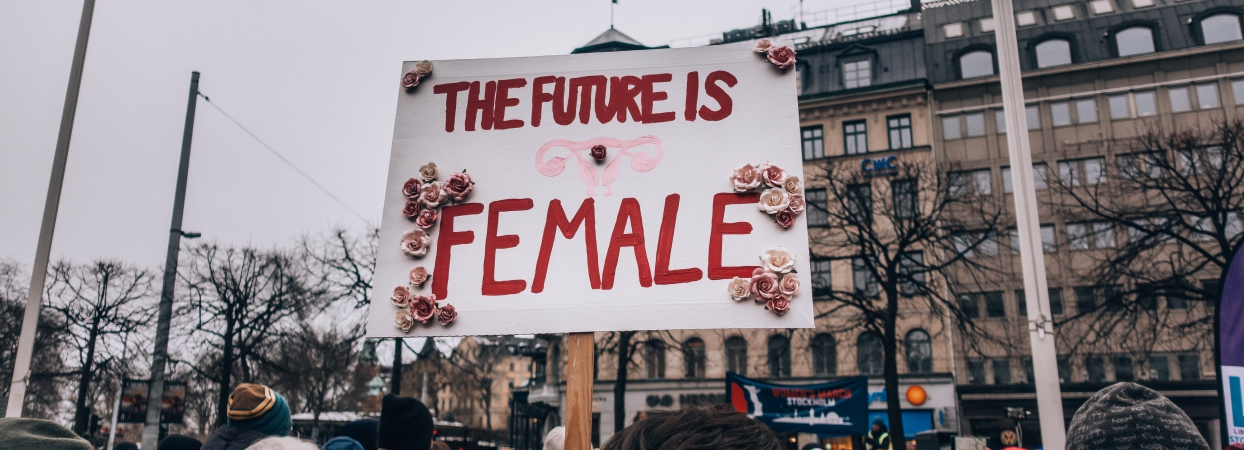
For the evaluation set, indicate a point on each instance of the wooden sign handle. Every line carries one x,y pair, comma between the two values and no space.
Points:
579,370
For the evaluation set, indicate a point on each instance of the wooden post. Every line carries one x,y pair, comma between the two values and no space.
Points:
580,350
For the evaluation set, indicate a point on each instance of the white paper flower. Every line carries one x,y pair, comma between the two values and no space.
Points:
773,200
778,260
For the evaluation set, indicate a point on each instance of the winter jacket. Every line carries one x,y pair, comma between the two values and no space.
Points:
232,438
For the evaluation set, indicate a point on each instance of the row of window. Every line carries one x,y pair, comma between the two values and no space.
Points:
855,137
993,305
1130,41
1123,368
1056,14
1127,105
823,349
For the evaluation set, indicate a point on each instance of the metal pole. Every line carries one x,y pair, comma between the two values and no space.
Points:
116,408
34,297
395,378
1032,255
155,396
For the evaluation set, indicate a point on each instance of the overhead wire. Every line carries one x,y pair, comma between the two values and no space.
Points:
284,159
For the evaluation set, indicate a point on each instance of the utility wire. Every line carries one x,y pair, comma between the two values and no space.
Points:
283,159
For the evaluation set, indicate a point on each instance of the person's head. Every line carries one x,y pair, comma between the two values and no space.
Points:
1127,414
282,443
342,443
179,442
555,439
363,431
125,446
16,432
405,424
879,426
718,427
257,407
813,446
438,445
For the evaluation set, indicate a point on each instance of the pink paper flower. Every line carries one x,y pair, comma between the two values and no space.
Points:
447,314
401,296
785,218
429,172
410,80
423,308
418,276
745,178
792,185
796,203
424,68
764,286
758,271
763,45
403,321
426,219
739,288
411,210
411,188
458,186
432,195
772,175
779,304
415,243
789,285
598,152
781,56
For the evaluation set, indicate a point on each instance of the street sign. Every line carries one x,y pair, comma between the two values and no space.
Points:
133,408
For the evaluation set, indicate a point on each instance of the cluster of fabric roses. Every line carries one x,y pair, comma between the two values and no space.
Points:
781,56
781,195
775,283
411,79
421,308
424,196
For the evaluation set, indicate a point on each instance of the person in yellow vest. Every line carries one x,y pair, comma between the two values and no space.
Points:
878,438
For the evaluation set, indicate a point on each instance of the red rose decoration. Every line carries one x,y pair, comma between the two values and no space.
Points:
411,79
458,186
781,56
423,307
785,218
426,218
411,210
447,314
778,304
411,188
598,153
765,286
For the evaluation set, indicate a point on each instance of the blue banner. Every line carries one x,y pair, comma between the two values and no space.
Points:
837,408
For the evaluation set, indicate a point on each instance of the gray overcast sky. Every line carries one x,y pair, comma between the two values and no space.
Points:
313,79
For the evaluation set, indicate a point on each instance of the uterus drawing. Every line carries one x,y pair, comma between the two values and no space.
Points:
640,161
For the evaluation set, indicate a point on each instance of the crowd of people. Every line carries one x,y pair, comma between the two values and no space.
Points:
1122,416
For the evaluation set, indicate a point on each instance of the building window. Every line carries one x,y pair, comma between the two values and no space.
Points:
1086,235
855,137
1086,110
654,360
869,354
1056,301
950,127
1123,368
1146,103
1080,171
1190,366
824,355
1064,369
1102,7
971,309
694,359
1021,304
860,204
813,142
1096,368
1237,86
1025,18
987,24
906,199
995,306
1134,41
1207,95
736,355
999,118
976,64
976,243
953,30
1001,371
911,273
975,123
862,277
1038,178
976,371
1120,107
900,131
816,201
1219,28
1060,113
1159,368
1064,12
857,73
919,352
1053,52
779,356
822,279
1048,244
969,182
1142,3
1180,100
1029,372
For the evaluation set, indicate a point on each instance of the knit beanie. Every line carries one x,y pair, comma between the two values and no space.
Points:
363,431
405,424
17,433
1128,415
342,443
257,407
179,442
125,446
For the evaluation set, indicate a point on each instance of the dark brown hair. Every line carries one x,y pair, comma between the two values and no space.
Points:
717,427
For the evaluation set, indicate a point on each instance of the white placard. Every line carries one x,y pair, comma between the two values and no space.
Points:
664,172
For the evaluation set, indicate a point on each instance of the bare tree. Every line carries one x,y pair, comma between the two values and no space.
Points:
479,360
621,347
906,234
47,366
318,377
346,262
101,305
239,302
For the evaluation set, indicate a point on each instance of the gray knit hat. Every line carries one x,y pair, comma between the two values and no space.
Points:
1131,416
17,433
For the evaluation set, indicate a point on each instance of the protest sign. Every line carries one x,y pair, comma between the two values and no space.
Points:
835,408
1230,323
579,193
133,407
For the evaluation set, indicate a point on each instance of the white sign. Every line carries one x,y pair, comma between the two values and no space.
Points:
552,240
